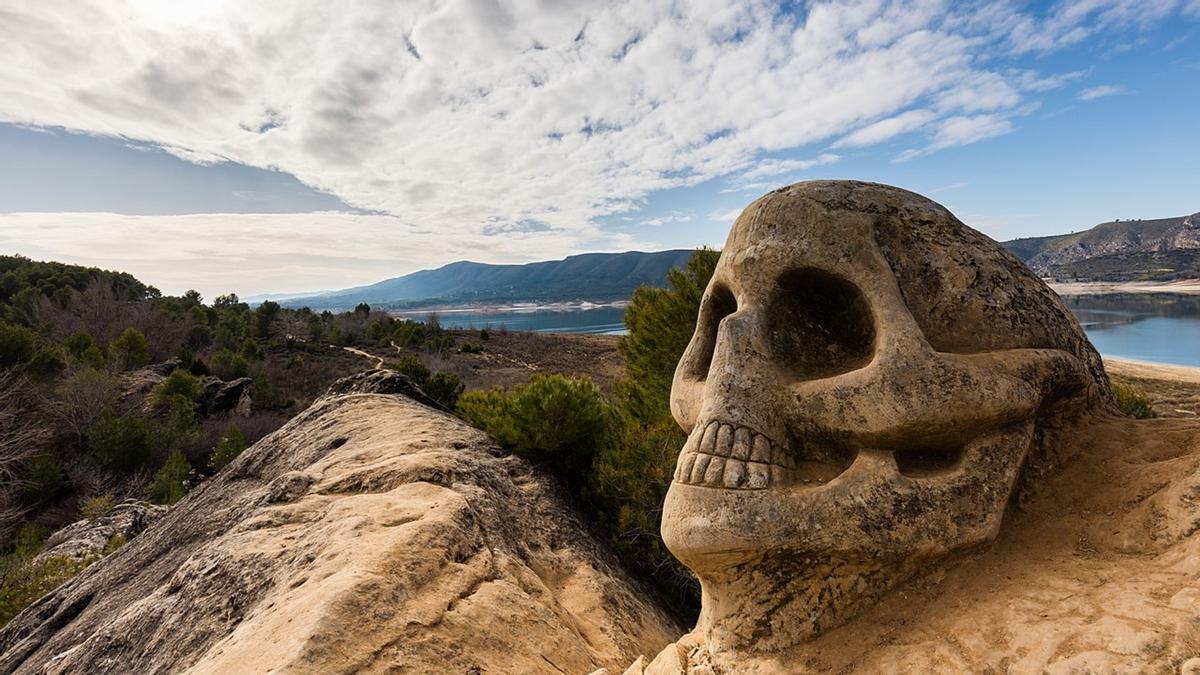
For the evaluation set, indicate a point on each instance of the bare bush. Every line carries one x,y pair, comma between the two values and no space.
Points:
81,397
21,435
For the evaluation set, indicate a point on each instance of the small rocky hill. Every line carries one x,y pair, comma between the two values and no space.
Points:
371,533
1162,249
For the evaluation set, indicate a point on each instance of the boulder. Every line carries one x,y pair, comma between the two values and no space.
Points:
371,533
226,397
87,538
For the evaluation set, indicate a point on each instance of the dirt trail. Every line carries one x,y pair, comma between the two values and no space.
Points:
377,359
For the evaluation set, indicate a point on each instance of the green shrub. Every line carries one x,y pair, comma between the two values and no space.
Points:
631,477
412,367
180,383
92,357
46,478
78,343
17,345
660,322
1132,401
253,351
181,416
25,581
228,448
48,361
470,348
170,483
29,540
375,330
483,335
114,542
130,349
444,388
94,507
126,442
230,365
557,421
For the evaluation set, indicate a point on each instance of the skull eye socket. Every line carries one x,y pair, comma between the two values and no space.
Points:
820,324
719,304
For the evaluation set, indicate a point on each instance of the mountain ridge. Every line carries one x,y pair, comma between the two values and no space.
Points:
582,277
1159,249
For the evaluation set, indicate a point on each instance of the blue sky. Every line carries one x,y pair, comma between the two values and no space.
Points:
229,146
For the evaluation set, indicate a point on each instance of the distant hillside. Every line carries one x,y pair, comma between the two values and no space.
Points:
1123,250
22,280
591,276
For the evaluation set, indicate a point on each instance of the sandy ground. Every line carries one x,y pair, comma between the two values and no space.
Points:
1174,391
1185,286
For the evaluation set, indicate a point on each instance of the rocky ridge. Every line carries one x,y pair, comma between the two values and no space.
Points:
1132,242
371,533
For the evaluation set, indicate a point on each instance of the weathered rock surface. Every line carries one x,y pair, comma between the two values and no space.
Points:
226,397
868,380
1098,573
87,538
370,534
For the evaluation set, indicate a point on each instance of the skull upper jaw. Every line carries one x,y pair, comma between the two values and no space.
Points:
871,510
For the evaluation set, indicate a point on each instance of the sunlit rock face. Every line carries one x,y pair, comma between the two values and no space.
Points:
371,534
867,381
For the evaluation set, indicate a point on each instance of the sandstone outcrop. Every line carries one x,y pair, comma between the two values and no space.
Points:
371,533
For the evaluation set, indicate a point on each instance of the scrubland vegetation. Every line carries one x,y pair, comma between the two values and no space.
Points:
110,390
618,454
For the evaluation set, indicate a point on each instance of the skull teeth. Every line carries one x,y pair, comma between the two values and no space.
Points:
728,456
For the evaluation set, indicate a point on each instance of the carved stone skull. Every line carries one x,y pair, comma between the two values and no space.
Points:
867,379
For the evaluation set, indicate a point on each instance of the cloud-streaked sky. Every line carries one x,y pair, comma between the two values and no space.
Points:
293,146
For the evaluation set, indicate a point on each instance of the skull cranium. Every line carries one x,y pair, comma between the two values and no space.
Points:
867,378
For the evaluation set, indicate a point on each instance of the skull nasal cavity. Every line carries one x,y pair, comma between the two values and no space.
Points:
820,324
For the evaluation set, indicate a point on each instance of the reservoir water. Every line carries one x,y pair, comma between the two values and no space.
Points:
542,319
1158,327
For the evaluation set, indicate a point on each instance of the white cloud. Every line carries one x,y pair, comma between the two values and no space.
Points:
724,215
775,167
1101,91
957,131
886,129
480,120
673,217
261,253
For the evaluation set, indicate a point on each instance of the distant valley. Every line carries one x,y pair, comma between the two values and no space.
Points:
1165,249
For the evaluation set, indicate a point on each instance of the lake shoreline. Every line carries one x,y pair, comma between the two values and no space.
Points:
1180,286
512,308
1149,370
